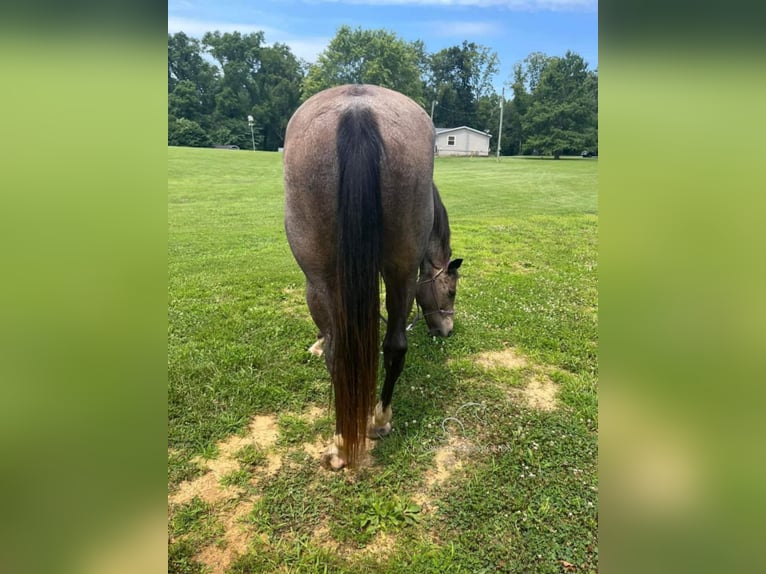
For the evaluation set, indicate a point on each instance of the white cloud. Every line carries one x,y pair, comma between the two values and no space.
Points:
305,47
448,28
529,5
197,28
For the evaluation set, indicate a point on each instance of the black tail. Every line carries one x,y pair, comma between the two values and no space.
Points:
360,219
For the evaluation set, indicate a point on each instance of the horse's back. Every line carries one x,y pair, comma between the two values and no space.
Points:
311,168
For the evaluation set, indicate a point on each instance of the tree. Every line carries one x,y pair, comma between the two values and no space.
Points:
562,111
278,85
459,77
183,132
192,82
258,80
238,56
367,57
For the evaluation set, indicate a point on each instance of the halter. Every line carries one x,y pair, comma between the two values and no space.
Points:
432,280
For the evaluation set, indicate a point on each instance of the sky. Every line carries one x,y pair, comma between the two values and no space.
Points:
512,28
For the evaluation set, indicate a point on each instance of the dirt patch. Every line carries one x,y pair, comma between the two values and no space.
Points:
445,462
232,504
236,540
508,358
315,449
321,537
540,393
316,412
262,432
381,545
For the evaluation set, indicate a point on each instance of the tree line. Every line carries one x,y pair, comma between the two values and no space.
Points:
216,82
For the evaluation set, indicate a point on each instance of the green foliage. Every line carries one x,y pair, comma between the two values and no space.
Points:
367,57
192,81
553,109
387,513
249,79
278,90
560,114
239,478
250,456
183,132
460,76
293,430
188,516
181,558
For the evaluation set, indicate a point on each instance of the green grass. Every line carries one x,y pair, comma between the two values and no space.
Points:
524,496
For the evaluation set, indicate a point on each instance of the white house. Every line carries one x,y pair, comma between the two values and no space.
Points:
461,141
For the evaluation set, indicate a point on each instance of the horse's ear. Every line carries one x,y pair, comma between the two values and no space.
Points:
454,265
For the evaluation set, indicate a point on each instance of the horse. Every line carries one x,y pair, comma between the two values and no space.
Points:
361,204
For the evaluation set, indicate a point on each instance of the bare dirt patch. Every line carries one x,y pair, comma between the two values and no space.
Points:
233,504
236,540
508,358
380,546
445,461
540,393
262,432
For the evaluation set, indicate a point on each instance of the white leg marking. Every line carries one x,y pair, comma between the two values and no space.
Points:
380,423
317,348
335,455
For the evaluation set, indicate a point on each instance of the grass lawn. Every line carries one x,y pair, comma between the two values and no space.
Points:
492,463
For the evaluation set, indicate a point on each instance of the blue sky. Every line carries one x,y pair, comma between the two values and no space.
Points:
513,28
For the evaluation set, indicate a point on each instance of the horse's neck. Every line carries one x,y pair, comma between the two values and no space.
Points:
438,251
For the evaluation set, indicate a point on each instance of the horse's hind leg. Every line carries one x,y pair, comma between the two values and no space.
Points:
316,297
319,312
398,304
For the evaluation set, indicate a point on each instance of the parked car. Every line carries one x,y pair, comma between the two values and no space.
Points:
588,153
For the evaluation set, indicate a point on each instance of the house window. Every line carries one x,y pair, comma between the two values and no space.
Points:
450,140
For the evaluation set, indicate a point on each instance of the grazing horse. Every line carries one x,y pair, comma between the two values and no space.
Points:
360,203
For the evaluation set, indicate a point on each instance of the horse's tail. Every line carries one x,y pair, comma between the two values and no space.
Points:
355,350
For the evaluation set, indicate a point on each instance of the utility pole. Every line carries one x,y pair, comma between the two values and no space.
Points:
433,103
250,122
500,126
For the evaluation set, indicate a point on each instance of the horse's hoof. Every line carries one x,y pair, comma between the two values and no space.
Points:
380,422
374,432
334,457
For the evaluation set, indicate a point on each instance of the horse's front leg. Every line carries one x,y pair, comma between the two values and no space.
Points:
398,303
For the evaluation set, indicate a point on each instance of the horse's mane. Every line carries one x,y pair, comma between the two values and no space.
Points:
440,231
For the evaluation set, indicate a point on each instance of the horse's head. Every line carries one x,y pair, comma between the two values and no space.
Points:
436,292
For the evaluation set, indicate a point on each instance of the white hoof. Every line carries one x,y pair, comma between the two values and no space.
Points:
335,456
317,348
380,423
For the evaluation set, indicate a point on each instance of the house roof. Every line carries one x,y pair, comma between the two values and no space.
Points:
445,130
